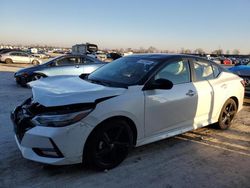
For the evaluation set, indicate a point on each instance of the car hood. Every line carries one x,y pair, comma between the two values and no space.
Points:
66,90
28,69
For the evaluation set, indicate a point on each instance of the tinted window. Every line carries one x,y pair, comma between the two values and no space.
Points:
13,53
88,60
203,70
124,71
23,54
177,72
68,61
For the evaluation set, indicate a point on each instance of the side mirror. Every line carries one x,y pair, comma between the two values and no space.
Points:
84,76
159,84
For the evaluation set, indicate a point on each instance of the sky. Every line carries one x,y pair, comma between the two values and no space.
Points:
163,24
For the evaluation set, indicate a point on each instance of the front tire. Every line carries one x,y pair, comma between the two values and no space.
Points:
8,61
109,144
227,114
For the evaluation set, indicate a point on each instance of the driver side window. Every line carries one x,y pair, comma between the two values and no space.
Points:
177,72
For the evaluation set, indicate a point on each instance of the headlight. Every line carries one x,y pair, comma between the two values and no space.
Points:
59,120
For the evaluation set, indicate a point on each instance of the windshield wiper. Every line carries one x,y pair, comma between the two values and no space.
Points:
100,82
104,82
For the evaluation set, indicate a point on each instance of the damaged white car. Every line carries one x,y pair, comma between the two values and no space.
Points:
132,101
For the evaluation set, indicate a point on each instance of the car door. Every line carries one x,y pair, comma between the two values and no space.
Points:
68,65
202,73
170,109
15,57
24,58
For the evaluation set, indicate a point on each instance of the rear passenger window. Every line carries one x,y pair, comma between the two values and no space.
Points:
203,70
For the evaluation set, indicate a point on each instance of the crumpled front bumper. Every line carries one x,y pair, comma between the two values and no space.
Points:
50,145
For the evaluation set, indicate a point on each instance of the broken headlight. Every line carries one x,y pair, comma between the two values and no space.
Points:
59,120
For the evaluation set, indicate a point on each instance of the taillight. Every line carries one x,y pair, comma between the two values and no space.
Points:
243,83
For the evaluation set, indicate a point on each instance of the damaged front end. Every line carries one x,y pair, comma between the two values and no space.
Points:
29,115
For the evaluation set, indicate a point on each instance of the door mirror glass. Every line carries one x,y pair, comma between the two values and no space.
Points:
159,84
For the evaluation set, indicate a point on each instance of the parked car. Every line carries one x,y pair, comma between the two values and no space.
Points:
242,61
19,57
113,56
134,100
41,55
5,50
61,65
227,61
244,72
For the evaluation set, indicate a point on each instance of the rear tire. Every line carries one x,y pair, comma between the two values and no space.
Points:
8,61
109,144
227,114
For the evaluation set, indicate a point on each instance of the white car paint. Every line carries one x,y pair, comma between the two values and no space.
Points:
157,114
19,57
72,90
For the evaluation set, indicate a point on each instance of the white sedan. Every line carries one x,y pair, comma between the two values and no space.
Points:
19,57
132,101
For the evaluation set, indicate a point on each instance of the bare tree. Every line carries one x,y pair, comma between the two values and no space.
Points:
199,51
187,51
152,49
141,50
218,52
236,52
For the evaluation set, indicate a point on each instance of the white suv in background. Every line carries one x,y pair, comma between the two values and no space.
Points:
19,57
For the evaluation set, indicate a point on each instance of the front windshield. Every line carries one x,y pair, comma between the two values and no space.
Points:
125,71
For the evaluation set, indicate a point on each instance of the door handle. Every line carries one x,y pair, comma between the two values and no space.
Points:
224,86
77,66
190,93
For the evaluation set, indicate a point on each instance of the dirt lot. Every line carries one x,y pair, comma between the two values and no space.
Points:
202,158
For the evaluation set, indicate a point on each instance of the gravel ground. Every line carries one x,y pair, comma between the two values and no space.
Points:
203,158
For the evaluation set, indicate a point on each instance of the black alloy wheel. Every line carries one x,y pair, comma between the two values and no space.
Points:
227,114
109,145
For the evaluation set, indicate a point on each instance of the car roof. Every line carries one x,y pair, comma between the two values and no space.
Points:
162,56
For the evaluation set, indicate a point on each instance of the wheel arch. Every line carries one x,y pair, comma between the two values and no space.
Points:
33,60
235,100
128,120
41,73
8,58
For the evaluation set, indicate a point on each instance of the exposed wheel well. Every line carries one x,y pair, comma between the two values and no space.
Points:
39,73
